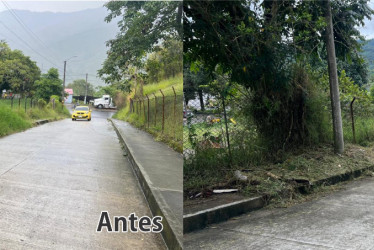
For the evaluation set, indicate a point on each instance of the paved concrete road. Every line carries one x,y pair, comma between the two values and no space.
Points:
343,220
55,180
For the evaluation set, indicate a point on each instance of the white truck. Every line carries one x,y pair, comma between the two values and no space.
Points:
104,102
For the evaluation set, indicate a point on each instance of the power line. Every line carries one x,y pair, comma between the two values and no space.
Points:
24,26
28,44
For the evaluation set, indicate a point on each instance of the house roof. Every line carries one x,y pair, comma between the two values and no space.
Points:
69,91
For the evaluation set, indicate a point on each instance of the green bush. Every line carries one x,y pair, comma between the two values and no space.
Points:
56,97
42,103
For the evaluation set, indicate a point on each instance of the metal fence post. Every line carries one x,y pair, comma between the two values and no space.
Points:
131,105
175,105
25,103
227,129
144,111
163,111
148,111
137,106
31,103
155,109
19,103
353,120
11,103
140,107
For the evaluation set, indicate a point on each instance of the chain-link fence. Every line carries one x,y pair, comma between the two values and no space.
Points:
19,103
160,113
207,126
25,103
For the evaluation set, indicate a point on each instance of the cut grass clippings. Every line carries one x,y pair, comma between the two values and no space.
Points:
279,180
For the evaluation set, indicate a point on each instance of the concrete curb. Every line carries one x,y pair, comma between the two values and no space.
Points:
201,219
40,122
167,233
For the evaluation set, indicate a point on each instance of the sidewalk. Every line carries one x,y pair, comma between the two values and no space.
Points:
160,172
340,220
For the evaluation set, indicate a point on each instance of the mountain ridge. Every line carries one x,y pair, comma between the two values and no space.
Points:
64,35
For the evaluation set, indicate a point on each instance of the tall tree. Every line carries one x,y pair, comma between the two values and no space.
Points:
142,25
264,46
17,71
48,85
79,87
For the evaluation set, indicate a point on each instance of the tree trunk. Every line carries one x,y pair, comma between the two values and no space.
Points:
179,20
334,85
200,92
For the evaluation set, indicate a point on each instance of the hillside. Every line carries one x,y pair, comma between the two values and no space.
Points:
63,35
368,52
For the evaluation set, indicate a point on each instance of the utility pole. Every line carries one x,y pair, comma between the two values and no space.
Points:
334,84
63,83
85,96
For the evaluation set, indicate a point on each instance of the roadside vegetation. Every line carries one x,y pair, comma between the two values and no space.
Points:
260,112
16,119
27,95
143,60
172,134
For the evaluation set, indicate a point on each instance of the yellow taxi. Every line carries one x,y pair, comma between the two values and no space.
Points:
81,112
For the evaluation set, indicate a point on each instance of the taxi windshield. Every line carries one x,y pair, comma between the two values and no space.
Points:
81,108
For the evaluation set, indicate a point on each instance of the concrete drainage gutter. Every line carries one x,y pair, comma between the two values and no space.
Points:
201,219
169,235
40,122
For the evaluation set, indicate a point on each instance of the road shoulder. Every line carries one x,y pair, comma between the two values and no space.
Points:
159,170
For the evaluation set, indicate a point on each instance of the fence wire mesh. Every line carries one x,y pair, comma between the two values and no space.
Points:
20,103
207,125
160,113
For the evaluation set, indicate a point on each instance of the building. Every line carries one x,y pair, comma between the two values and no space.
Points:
69,98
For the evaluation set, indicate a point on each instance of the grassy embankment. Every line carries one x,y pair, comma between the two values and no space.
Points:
173,127
308,163
16,119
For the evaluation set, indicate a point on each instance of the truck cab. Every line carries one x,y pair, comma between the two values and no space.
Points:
104,102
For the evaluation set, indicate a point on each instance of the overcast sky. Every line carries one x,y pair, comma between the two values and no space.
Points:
53,6
71,6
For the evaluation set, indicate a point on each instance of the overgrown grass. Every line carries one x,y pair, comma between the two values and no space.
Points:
364,128
12,121
173,110
15,120
210,168
165,86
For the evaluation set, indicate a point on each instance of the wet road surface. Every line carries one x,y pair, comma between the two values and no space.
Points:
342,220
55,180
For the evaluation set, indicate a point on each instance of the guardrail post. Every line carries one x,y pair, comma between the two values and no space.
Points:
163,111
